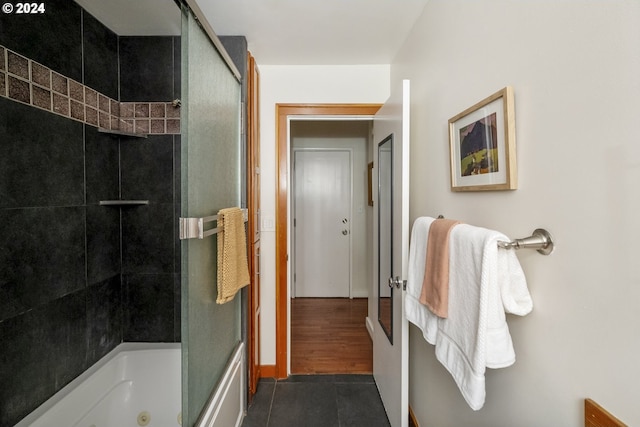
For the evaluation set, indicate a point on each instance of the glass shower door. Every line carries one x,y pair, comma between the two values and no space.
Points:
210,179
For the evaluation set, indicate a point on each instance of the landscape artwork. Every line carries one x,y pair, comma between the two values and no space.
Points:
479,147
482,145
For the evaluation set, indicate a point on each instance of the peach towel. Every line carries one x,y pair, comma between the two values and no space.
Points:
435,286
233,269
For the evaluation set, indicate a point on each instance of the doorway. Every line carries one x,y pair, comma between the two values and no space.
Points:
284,244
329,258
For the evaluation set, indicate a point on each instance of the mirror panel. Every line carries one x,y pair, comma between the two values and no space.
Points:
385,235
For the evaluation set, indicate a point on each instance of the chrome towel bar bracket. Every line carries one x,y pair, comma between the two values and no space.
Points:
540,240
193,228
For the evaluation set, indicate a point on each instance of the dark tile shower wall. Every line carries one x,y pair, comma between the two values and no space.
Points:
148,60
150,246
53,38
43,260
77,278
101,57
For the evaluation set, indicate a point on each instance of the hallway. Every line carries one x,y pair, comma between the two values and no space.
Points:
317,400
329,336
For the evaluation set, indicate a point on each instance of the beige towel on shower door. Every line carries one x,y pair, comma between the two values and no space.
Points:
233,269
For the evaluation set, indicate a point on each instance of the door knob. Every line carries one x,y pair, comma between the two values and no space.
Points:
397,283
345,232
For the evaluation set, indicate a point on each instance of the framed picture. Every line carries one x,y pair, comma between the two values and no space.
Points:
482,143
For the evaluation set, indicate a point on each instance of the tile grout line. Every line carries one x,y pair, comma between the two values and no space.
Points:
273,396
335,387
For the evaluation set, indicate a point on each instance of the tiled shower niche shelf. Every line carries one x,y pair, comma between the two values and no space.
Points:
123,202
122,133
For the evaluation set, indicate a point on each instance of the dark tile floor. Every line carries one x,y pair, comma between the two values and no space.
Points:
317,400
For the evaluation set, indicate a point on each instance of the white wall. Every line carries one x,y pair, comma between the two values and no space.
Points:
575,70
299,84
353,135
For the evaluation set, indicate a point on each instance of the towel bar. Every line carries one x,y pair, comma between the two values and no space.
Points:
193,228
540,239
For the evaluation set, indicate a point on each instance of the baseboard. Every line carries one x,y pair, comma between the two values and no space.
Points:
360,293
369,326
413,421
226,405
267,371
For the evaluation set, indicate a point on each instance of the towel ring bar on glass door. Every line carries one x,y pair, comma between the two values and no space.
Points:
193,228
540,240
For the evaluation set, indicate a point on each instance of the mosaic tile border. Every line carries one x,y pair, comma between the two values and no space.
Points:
31,83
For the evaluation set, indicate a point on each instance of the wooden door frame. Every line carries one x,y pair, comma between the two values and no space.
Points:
283,112
253,234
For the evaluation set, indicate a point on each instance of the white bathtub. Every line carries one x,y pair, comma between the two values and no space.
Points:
134,385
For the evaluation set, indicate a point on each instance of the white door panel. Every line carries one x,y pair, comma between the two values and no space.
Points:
322,223
391,356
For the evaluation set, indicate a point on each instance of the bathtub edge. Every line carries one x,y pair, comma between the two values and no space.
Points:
60,394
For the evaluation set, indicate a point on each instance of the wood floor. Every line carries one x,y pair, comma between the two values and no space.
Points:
329,336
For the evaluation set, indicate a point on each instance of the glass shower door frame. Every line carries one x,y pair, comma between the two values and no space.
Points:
211,169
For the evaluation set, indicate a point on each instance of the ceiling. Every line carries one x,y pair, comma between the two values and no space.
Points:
281,32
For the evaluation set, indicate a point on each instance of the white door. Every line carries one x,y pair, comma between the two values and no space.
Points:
322,223
391,237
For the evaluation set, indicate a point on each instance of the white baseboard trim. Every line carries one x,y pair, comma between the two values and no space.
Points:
359,293
369,326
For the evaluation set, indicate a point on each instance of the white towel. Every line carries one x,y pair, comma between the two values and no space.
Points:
484,282
417,313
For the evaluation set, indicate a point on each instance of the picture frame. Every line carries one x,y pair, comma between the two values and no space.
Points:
482,145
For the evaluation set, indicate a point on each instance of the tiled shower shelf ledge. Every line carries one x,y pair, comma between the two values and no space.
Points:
122,133
123,202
